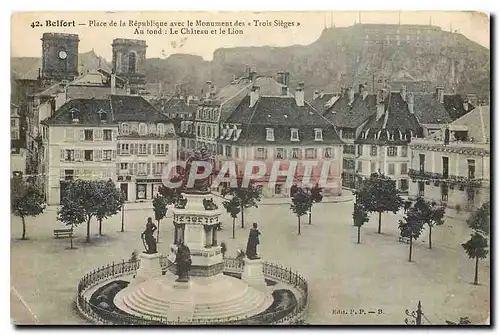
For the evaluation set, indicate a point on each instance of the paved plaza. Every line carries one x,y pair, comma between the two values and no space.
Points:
342,275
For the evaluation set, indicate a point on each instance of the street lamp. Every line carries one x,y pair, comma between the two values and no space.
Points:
123,216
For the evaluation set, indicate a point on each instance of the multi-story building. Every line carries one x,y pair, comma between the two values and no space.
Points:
281,128
452,166
129,62
123,138
17,151
378,127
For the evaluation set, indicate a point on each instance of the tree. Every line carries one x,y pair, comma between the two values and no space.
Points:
160,209
301,203
233,208
171,195
247,197
359,217
110,200
430,214
316,196
476,248
479,220
378,194
26,200
80,196
411,227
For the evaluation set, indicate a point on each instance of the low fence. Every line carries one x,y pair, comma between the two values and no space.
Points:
100,315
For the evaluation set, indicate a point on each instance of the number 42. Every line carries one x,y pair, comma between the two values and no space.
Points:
35,24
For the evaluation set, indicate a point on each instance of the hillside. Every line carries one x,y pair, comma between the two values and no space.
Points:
346,56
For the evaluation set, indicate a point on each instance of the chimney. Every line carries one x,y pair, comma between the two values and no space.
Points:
113,83
466,106
188,100
286,78
209,88
316,95
350,95
440,94
254,95
403,92
253,75
299,94
380,109
410,101
363,91
321,94
281,77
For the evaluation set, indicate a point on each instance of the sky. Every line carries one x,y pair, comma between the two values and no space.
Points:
25,40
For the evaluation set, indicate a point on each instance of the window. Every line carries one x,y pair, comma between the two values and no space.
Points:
310,153
14,134
141,168
348,164
236,152
228,151
390,168
143,129
373,150
199,130
471,164
107,135
444,192
269,134
349,149
277,189
69,174
160,128
404,168
89,155
404,185
295,153
373,167
69,155
209,132
160,149
70,134
103,116
123,166
360,166
261,153
421,162
89,135
318,134
124,149
280,153
142,149
328,153
203,130
125,128
392,151
132,59
106,155
421,188
360,150
445,167
12,122
294,135
348,134
404,151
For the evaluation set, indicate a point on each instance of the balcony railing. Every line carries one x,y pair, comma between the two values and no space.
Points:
437,178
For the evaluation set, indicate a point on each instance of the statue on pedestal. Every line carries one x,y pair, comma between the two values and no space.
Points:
253,241
200,185
148,238
183,262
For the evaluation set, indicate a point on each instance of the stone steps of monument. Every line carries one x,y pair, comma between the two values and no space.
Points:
141,304
224,303
244,306
183,310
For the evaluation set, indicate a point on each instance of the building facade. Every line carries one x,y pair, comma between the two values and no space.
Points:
281,131
452,166
122,138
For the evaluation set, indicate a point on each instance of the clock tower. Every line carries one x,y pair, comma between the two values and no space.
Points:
59,56
129,58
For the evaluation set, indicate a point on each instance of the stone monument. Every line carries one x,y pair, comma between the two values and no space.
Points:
149,266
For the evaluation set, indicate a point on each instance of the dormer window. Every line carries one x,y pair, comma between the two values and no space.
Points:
161,129
142,129
152,128
125,128
269,134
103,116
74,113
318,134
294,134
224,132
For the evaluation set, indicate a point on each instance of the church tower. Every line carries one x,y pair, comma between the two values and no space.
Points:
129,57
59,56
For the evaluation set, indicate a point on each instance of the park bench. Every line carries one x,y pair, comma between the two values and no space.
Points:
404,239
63,232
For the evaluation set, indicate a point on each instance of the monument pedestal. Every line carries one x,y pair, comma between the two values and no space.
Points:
253,274
149,267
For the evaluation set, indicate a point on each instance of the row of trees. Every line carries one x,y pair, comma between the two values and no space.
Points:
303,199
378,194
26,199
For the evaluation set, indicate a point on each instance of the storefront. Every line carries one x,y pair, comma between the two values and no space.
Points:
147,188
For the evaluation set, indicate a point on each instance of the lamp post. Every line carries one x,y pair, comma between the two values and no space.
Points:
123,216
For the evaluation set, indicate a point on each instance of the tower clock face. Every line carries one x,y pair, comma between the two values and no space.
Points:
63,54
